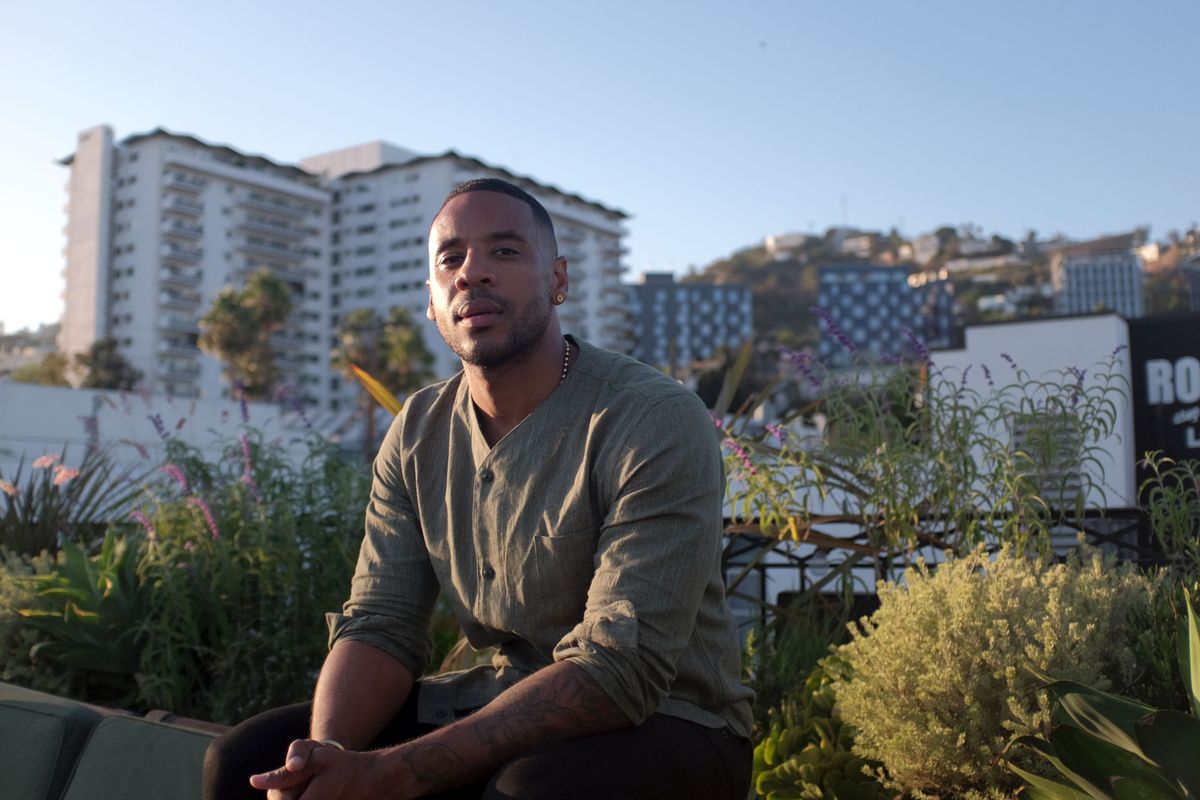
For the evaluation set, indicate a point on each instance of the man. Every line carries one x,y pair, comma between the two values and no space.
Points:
567,503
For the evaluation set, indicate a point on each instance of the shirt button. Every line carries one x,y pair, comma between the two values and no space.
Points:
487,476
488,572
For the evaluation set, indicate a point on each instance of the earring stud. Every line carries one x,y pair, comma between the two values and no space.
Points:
559,298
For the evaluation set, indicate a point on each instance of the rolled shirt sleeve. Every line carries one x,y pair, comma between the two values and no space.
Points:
659,552
394,589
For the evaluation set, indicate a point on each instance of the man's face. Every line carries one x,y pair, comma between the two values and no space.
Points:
491,278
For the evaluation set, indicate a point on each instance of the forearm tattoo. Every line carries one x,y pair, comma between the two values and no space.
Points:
564,703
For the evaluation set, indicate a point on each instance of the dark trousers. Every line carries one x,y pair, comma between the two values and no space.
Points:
663,758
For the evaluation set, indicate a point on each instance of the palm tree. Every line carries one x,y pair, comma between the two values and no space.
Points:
103,367
392,352
238,327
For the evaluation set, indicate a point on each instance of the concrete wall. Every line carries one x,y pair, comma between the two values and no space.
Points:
46,419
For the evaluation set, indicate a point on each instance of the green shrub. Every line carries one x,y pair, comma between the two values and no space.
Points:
806,751
941,672
226,570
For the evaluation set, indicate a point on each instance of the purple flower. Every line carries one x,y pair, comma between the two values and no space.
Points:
834,330
987,373
180,424
802,362
208,515
142,451
241,393
716,421
246,463
918,345
733,445
1079,374
775,430
966,372
248,479
1118,350
142,518
1009,359
176,473
158,424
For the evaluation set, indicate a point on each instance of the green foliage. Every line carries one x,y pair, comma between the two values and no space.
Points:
49,503
103,367
789,646
1110,747
211,604
238,327
392,351
1171,497
807,751
941,679
89,612
915,459
50,371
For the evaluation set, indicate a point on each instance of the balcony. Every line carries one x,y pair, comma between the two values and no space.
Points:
263,203
168,347
178,373
272,250
612,267
186,230
174,276
273,228
185,302
183,205
178,252
186,183
177,322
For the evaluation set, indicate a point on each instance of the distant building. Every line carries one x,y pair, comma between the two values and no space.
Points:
1104,273
1191,270
25,347
875,304
676,324
384,199
784,245
158,223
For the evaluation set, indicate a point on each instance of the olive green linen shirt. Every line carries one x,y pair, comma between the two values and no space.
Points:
591,533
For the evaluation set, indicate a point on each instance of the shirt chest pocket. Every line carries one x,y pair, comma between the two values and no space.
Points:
563,568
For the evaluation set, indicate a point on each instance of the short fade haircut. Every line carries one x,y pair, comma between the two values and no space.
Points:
540,216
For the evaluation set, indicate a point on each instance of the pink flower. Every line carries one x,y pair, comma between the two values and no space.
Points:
8,488
46,461
142,518
63,474
208,515
176,473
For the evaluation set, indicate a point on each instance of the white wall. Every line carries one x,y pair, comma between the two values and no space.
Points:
44,419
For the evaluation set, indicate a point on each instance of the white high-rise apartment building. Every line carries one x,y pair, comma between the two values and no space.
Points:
384,200
159,223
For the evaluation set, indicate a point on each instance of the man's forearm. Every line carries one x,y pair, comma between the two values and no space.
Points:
558,702
360,689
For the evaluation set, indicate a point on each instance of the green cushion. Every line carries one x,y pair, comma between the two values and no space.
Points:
42,737
128,758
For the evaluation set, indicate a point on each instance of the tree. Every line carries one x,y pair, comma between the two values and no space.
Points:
103,367
392,352
50,371
238,327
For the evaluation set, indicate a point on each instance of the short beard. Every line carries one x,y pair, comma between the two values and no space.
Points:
523,337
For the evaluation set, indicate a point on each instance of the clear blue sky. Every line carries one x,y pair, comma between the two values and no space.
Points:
712,123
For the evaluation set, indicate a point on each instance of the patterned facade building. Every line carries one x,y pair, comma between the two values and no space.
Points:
677,324
878,306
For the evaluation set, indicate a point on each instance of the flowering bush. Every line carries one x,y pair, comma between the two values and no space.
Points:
236,563
940,677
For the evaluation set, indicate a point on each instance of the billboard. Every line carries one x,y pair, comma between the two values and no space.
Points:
1165,359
